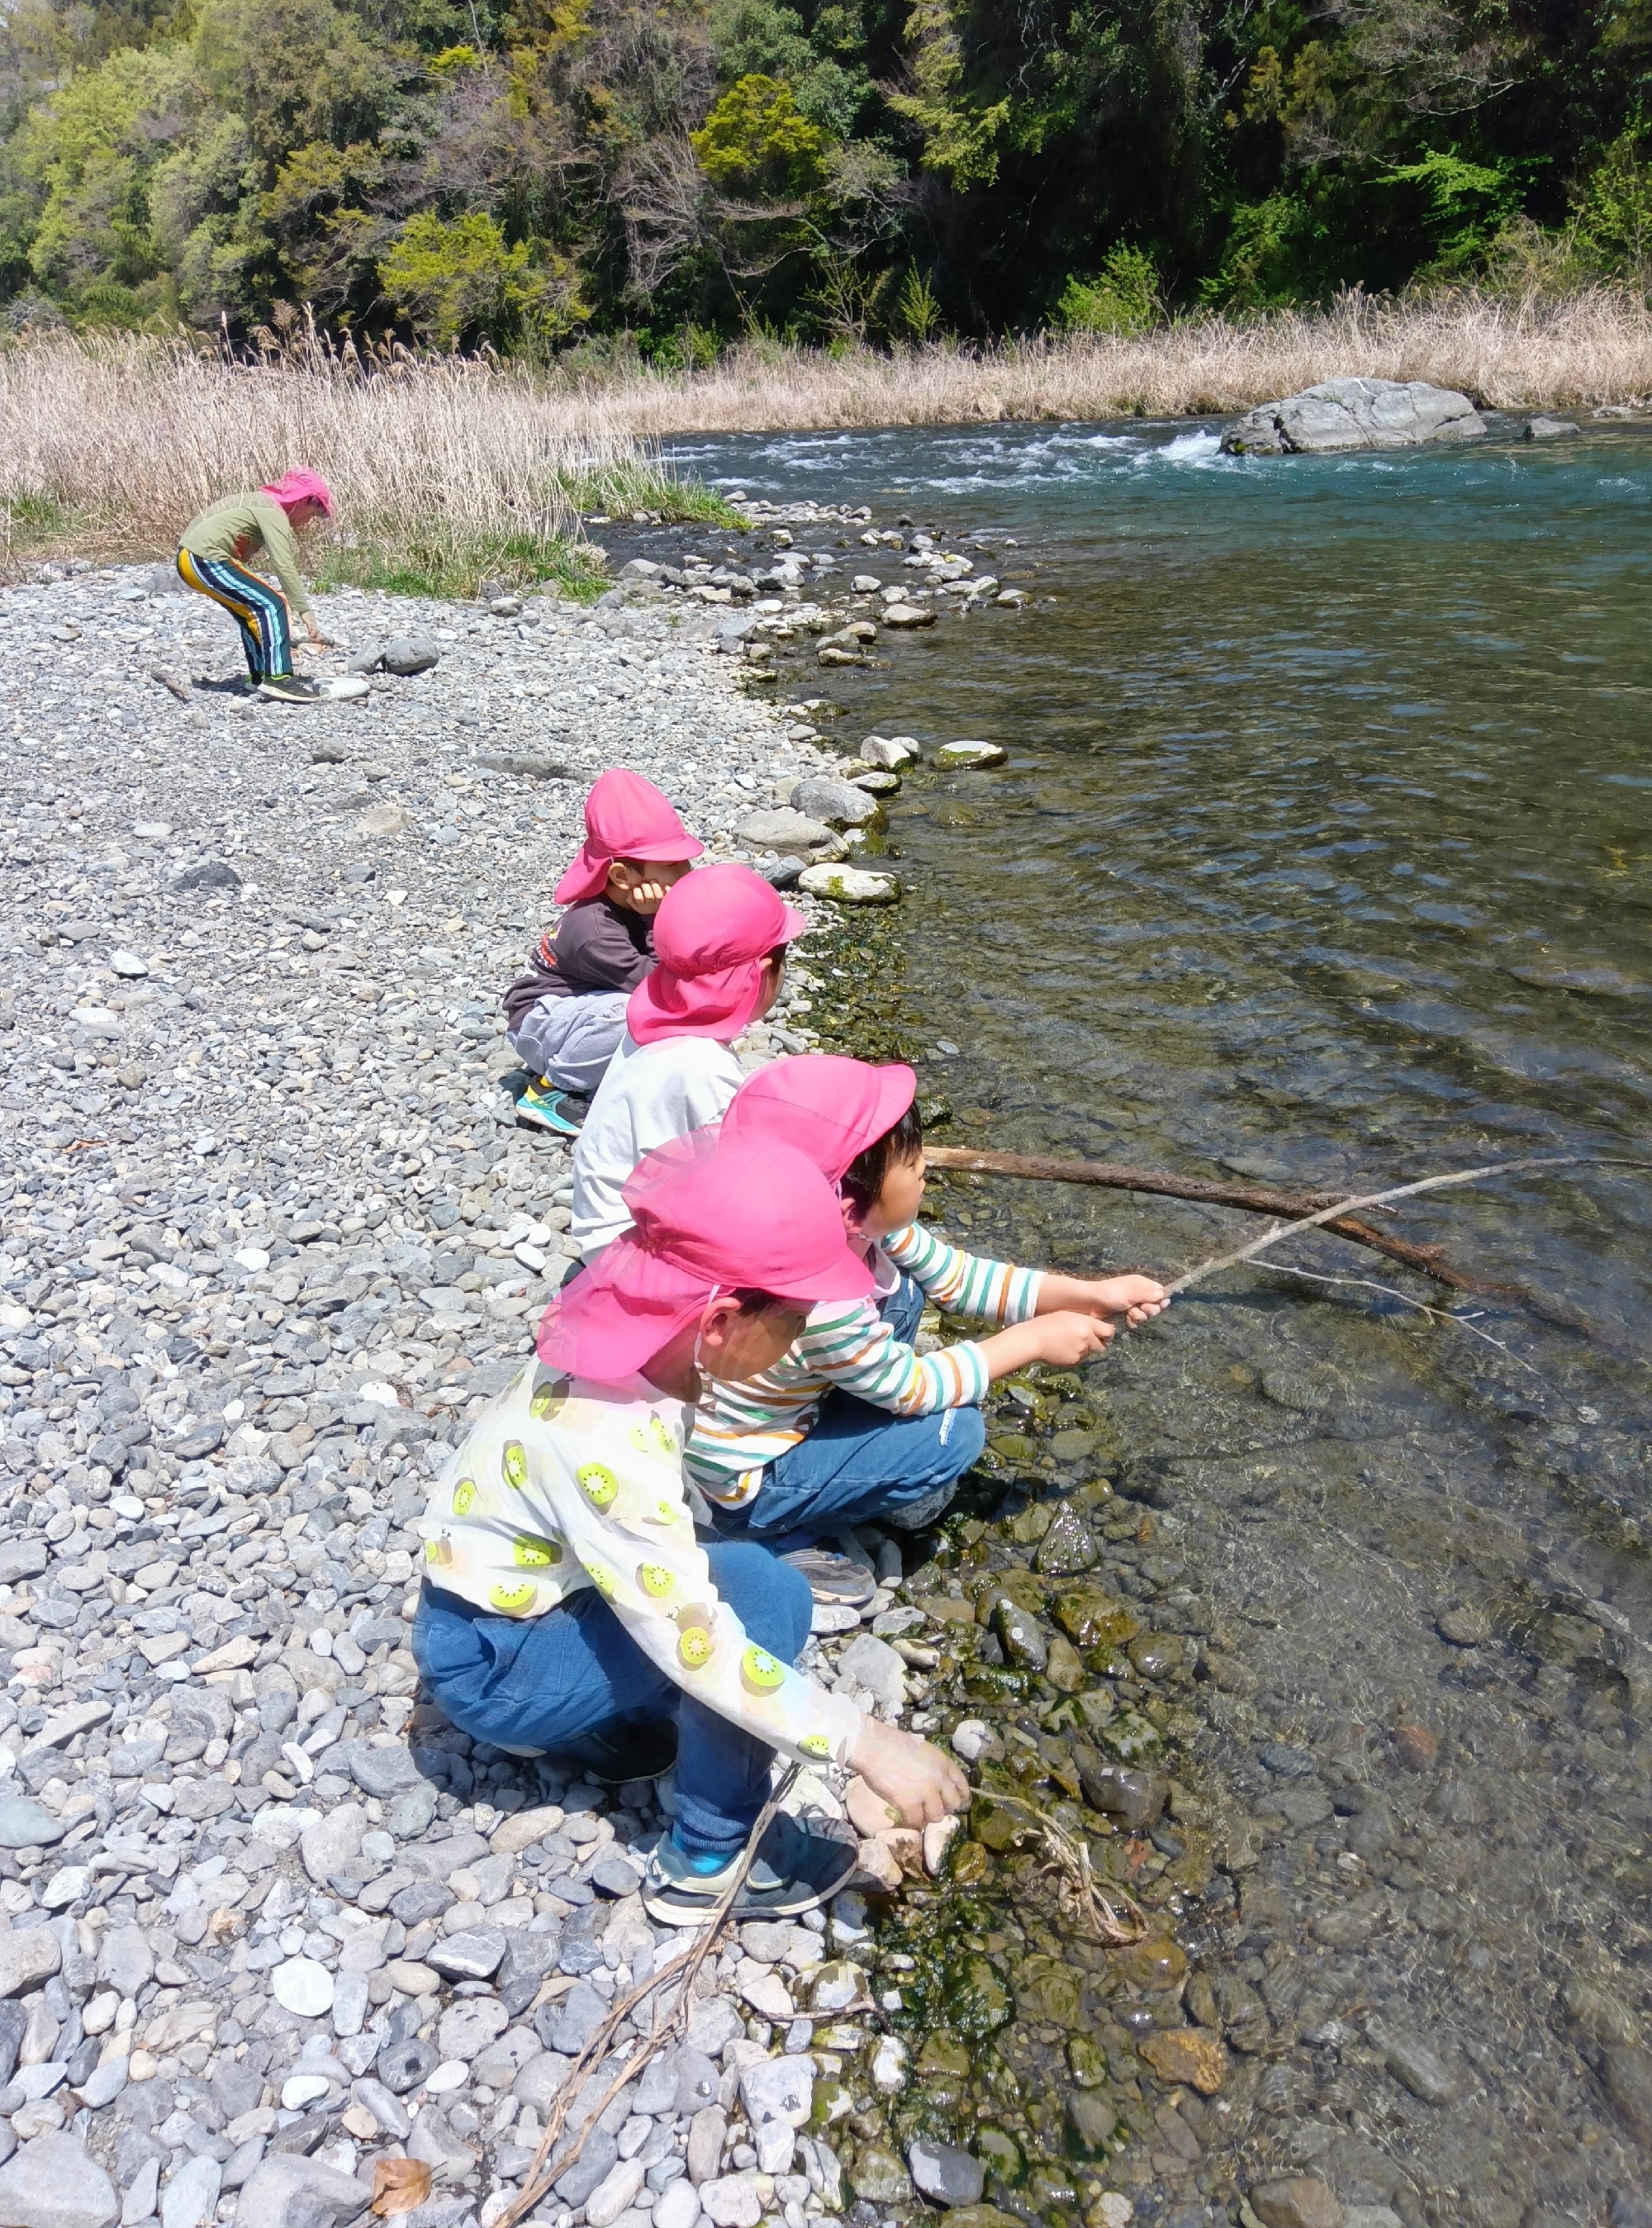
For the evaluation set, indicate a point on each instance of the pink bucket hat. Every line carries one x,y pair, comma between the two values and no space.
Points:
626,817
300,485
711,936
706,1218
830,1108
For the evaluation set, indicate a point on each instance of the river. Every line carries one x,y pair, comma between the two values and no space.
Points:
1321,856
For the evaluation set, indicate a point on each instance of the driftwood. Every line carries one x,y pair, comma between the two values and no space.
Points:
1328,1208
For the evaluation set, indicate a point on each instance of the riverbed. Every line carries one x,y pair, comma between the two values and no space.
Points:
1321,857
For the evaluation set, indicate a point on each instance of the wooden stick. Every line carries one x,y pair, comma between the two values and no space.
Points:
539,2180
1327,1217
1255,1199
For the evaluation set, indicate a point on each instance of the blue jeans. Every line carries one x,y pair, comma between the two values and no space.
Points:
546,1682
859,1464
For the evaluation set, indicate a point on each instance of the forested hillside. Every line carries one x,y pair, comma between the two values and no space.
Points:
560,172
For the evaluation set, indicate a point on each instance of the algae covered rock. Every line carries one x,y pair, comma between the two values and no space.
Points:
1048,1989
850,885
1092,1617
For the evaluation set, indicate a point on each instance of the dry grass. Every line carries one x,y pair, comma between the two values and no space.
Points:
1595,348
442,471
447,470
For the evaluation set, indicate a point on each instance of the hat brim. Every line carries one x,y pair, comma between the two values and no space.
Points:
664,847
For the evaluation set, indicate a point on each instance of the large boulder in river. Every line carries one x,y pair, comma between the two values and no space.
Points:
1356,413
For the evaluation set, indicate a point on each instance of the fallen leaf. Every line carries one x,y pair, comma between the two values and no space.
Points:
400,2185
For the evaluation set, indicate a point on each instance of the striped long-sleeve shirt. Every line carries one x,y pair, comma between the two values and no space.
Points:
739,1429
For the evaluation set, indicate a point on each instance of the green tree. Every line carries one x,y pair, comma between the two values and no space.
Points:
459,282
757,142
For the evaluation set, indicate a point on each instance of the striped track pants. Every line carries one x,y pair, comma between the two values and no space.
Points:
259,609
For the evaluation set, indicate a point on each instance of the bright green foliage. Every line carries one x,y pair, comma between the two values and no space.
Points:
758,143
1123,299
1615,218
459,282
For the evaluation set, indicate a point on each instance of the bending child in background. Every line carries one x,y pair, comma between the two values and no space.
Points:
565,1017
854,1425
568,1606
720,940
212,559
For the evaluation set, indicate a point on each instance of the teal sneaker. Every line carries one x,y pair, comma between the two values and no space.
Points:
544,1107
797,1867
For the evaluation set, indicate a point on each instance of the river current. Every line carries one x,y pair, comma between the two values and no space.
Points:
1321,856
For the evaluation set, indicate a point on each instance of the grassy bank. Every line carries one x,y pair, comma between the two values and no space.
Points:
445,472
1593,348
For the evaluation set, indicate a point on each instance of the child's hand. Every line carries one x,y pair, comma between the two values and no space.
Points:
1070,1336
645,897
1139,1299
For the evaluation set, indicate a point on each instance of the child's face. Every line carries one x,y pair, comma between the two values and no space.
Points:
774,974
640,884
734,1346
898,1202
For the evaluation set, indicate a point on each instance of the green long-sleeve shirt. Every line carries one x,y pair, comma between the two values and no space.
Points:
241,524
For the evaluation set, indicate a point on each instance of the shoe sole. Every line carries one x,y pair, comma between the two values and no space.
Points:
658,1900
532,1118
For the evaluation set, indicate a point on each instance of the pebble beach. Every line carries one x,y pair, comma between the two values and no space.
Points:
271,1237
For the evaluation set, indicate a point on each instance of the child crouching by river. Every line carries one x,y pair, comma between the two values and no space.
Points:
567,1605
852,1424
565,1017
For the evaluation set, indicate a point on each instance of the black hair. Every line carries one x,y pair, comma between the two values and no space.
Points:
864,1177
754,1303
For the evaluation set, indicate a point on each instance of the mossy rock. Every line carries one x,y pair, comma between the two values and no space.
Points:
943,2053
1048,1989
1156,1963
1064,1669
1086,2061
1000,1826
999,2152
879,2177
975,2000
1132,1737
1028,1527
982,2216
1092,1617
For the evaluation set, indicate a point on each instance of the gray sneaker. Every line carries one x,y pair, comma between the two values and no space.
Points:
289,688
838,1581
796,1868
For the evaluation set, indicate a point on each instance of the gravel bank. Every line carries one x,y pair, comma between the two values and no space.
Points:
269,1237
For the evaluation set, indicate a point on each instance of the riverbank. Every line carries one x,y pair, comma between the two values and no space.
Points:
449,472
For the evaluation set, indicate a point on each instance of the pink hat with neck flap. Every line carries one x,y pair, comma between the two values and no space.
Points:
626,817
706,1219
711,938
829,1107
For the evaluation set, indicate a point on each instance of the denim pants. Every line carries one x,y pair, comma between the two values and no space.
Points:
546,1682
861,1465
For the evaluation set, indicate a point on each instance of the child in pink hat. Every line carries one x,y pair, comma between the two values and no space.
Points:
568,1605
565,1017
213,558
854,1426
720,940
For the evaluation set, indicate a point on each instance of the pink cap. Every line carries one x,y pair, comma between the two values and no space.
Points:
711,936
707,1218
300,485
626,817
827,1107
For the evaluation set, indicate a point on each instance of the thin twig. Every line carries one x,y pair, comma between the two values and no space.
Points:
686,1967
1434,1314
1259,1245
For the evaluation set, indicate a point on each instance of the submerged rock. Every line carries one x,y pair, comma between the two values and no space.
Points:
1356,413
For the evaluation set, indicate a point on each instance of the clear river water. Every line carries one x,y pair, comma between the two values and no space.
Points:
1322,854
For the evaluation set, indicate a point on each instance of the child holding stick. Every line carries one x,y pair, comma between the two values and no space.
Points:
853,1425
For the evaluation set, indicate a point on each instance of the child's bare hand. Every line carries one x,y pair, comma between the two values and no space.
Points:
1139,1299
1069,1336
646,897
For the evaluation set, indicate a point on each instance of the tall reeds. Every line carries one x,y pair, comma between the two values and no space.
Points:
446,469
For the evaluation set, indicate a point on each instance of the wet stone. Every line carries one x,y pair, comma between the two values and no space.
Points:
944,2173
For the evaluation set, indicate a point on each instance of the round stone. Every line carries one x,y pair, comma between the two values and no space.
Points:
303,1986
302,2089
453,2074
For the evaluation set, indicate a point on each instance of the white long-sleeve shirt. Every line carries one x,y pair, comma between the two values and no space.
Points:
651,1094
562,1484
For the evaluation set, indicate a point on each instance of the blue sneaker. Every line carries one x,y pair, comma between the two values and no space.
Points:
545,1107
796,1868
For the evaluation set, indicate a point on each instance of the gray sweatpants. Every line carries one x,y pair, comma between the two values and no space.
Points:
570,1041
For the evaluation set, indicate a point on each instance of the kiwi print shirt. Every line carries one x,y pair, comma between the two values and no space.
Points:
563,1484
